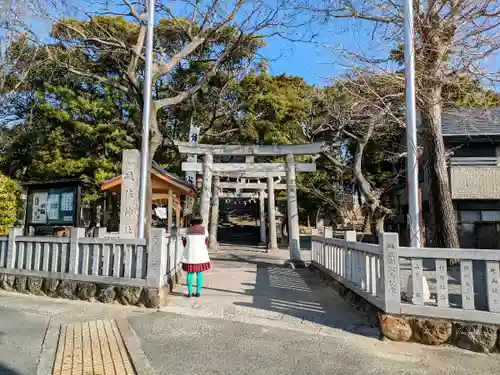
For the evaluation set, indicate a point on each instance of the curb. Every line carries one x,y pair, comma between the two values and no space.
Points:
133,347
48,350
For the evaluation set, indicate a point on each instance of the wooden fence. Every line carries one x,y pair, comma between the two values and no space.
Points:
119,261
383,273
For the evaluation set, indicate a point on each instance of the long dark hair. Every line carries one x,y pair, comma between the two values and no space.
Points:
196,220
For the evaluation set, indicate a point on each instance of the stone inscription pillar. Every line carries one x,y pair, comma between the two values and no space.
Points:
129,198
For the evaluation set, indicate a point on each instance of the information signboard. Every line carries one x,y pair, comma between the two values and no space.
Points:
53,206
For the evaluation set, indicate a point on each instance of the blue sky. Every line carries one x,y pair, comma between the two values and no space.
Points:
317,62
312,60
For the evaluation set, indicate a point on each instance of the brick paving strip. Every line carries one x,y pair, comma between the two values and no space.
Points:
91,348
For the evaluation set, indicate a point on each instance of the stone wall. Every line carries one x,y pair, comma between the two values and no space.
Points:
466,335
480,338
90,291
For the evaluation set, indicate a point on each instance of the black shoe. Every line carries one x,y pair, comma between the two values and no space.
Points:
197,295
189,295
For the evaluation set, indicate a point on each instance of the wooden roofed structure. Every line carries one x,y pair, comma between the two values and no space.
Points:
167,190
162,182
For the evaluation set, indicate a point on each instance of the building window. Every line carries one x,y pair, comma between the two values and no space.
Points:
476,216
490,215
475,151
470,216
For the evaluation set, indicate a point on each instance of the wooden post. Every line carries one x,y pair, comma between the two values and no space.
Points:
170,212
262,217
293,213
105,213
206,188
214,215
178,213
271,214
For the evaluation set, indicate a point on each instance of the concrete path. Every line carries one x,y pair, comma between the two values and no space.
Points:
245,284
254,317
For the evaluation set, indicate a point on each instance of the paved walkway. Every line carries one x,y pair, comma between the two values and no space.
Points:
253,317
248,285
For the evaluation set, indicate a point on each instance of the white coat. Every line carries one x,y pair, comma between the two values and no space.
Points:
195,251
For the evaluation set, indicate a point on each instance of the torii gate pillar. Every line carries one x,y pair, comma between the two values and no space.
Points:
214,215
206,189
293,214
271,214
262,217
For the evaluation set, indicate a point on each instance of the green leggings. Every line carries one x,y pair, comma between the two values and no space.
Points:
199,282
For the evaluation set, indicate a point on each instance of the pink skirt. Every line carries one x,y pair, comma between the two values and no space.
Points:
202,267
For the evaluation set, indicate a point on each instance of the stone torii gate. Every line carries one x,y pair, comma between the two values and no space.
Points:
210,192
261,196
270,185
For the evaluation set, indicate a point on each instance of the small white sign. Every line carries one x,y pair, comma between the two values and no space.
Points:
194,134
161,212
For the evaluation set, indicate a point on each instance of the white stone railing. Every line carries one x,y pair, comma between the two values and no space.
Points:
413,281
117,261
356,265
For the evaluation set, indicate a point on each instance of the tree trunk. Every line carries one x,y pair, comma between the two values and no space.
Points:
441,204
318,212
367,222
379,220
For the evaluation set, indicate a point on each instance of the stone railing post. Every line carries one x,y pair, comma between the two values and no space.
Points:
11,246
101,232
157,257
389,272
325,252
328,232
350,264
74,252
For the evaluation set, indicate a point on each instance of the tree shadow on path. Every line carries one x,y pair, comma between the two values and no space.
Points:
4,370
299,294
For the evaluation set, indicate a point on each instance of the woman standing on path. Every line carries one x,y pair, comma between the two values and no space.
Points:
195,258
